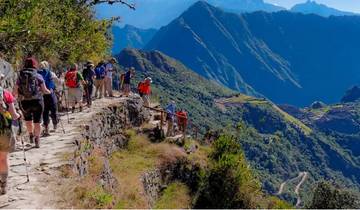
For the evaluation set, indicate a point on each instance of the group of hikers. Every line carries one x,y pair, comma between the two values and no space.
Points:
40,92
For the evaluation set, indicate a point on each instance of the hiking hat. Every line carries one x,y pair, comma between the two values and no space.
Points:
148,79
89,63
113,59
31,63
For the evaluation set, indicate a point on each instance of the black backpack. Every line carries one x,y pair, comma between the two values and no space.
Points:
28,84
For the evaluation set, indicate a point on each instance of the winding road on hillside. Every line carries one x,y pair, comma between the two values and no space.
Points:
302,177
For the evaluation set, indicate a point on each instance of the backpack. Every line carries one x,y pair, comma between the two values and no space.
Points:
46,74
71,79
5,117
140,87
100,72
28,84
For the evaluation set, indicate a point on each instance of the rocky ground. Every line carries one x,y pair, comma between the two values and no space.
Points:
44,163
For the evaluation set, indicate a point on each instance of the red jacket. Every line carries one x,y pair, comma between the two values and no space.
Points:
144,88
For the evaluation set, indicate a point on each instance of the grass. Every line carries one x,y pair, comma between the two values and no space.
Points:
175,196
241,98
129,165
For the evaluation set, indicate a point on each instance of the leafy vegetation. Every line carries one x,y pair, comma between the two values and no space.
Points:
327,197
56,30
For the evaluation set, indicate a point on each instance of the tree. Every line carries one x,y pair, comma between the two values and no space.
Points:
328,197
56,30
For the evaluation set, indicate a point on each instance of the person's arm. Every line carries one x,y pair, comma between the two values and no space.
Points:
16,91
44,89
13,112
55,78
81,79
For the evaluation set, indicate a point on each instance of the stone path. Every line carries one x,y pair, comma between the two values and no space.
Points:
43,163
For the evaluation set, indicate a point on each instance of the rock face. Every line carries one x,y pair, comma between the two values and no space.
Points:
104,133
179,170
351,95
9,73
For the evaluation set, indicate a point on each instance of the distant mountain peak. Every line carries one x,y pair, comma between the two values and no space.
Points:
312,7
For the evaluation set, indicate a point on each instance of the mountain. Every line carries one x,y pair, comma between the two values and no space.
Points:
241,6
287,57
130,36
311,7
280,142
157,13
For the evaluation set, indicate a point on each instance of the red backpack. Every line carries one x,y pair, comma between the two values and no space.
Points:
71,79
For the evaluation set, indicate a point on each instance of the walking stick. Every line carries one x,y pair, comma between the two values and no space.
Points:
66,104
23,148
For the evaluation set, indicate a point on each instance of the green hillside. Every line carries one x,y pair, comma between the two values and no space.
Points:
278,145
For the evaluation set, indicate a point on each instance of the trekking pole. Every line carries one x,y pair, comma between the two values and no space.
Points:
23,148
66,105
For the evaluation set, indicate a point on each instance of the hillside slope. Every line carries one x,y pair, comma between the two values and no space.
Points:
279,146
130,36
291,53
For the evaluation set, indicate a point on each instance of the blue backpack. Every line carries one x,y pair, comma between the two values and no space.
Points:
46,74
100,72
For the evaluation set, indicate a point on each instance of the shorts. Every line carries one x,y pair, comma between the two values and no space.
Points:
7,141
75,95
32,110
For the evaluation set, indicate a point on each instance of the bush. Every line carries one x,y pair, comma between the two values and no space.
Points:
327,197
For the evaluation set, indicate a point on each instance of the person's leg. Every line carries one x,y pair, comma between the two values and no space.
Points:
97,86
102,88
26,110
3,172
79,97
46,118
72,99
110,87
105,86
53,110
90,91
37,113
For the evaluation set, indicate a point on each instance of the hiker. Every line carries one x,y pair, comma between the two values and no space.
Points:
144,90
182,121
74,80
50,100
29,88
127,81
89,75
99,80
8,114
109,69
170,117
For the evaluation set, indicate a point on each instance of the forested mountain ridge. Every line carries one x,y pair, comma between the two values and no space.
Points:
291,53
278,144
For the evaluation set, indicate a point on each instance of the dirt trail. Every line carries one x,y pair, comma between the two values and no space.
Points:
302,177
43,163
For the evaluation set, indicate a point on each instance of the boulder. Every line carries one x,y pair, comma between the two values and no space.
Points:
9,74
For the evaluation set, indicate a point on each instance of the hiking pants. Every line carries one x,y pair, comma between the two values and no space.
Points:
108,86
99,85
88,93
170,128
50,109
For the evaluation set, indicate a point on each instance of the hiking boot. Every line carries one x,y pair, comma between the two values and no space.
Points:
31,137
73,110
80,109
46,132
55,126
37,142
3,184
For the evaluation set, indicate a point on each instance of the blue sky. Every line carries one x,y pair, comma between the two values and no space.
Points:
156,13
347,5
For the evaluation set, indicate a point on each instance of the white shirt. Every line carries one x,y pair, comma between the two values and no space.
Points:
109,70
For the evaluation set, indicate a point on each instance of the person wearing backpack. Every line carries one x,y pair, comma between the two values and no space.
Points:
73,81
29,89
127,81
109,69
50,101
144,90
99,79
89,75
8,115
170,118
182,120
